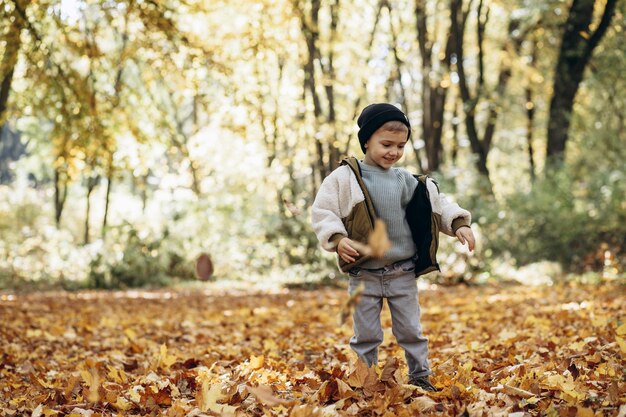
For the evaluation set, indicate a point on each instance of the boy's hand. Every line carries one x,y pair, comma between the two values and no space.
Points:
465,235
346,251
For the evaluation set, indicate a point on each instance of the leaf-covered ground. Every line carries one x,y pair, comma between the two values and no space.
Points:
515,350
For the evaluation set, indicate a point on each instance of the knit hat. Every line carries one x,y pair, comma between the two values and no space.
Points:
374,116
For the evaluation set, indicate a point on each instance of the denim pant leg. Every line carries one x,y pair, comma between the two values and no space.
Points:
368,333
406,326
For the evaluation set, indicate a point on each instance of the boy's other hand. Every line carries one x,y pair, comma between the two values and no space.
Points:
465,235
346,250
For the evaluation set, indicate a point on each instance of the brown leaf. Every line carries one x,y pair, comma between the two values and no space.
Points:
265,395
293,209
204,267
350,304
378,242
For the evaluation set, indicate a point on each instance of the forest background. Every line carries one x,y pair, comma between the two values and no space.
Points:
139,134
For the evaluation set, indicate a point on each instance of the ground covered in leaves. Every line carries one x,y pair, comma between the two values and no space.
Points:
512,351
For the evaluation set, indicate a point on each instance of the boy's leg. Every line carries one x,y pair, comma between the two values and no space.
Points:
368,334
405,317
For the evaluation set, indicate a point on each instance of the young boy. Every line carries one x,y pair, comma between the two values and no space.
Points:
348,202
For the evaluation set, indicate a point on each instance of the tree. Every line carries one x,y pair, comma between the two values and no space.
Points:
577,45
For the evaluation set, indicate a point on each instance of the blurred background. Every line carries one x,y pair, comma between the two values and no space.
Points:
138,134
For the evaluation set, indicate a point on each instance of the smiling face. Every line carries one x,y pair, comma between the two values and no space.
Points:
385,147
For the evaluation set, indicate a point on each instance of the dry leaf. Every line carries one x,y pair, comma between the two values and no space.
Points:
293,209
265,395
378,242
351,303
204,267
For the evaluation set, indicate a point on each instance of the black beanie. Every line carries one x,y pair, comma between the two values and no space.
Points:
374,116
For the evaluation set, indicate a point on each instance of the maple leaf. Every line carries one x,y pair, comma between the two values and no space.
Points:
257,362
351,303
164,359
92,379
378,242
265,395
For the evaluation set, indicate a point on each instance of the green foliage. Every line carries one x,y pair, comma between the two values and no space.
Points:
132,259
33,252
566,219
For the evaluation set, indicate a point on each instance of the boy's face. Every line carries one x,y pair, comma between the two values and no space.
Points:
385,148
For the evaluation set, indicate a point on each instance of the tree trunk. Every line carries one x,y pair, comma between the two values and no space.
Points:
398,79
434,91
576,49
530,116
458,18
107,199
12,42
92,181
60,195
311,35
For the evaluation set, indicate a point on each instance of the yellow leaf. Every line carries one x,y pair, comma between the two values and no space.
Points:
599,321
165,359
622,344
117,375
584,412
92,379
122,404
256,362
130,334
621,330
208,396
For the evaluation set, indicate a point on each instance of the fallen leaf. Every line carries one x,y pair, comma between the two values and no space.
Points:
265,395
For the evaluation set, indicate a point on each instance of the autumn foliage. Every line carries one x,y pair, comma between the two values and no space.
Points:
557,351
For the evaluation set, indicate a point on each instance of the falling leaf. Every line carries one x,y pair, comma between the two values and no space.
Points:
204,267
351,303
92,379
293,209
378,242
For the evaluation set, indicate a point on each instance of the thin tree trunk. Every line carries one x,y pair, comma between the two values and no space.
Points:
530,117
357,103
329,72
469,103
60,195
92,181
398,79
434,91
107,199
576,50
311,35
12,43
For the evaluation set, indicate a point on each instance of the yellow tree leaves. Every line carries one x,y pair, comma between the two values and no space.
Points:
520,351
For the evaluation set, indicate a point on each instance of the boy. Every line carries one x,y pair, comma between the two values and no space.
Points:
344,210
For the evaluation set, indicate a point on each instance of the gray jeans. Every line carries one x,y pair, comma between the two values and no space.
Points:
398,285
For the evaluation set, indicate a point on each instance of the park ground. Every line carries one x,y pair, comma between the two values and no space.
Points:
508,350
